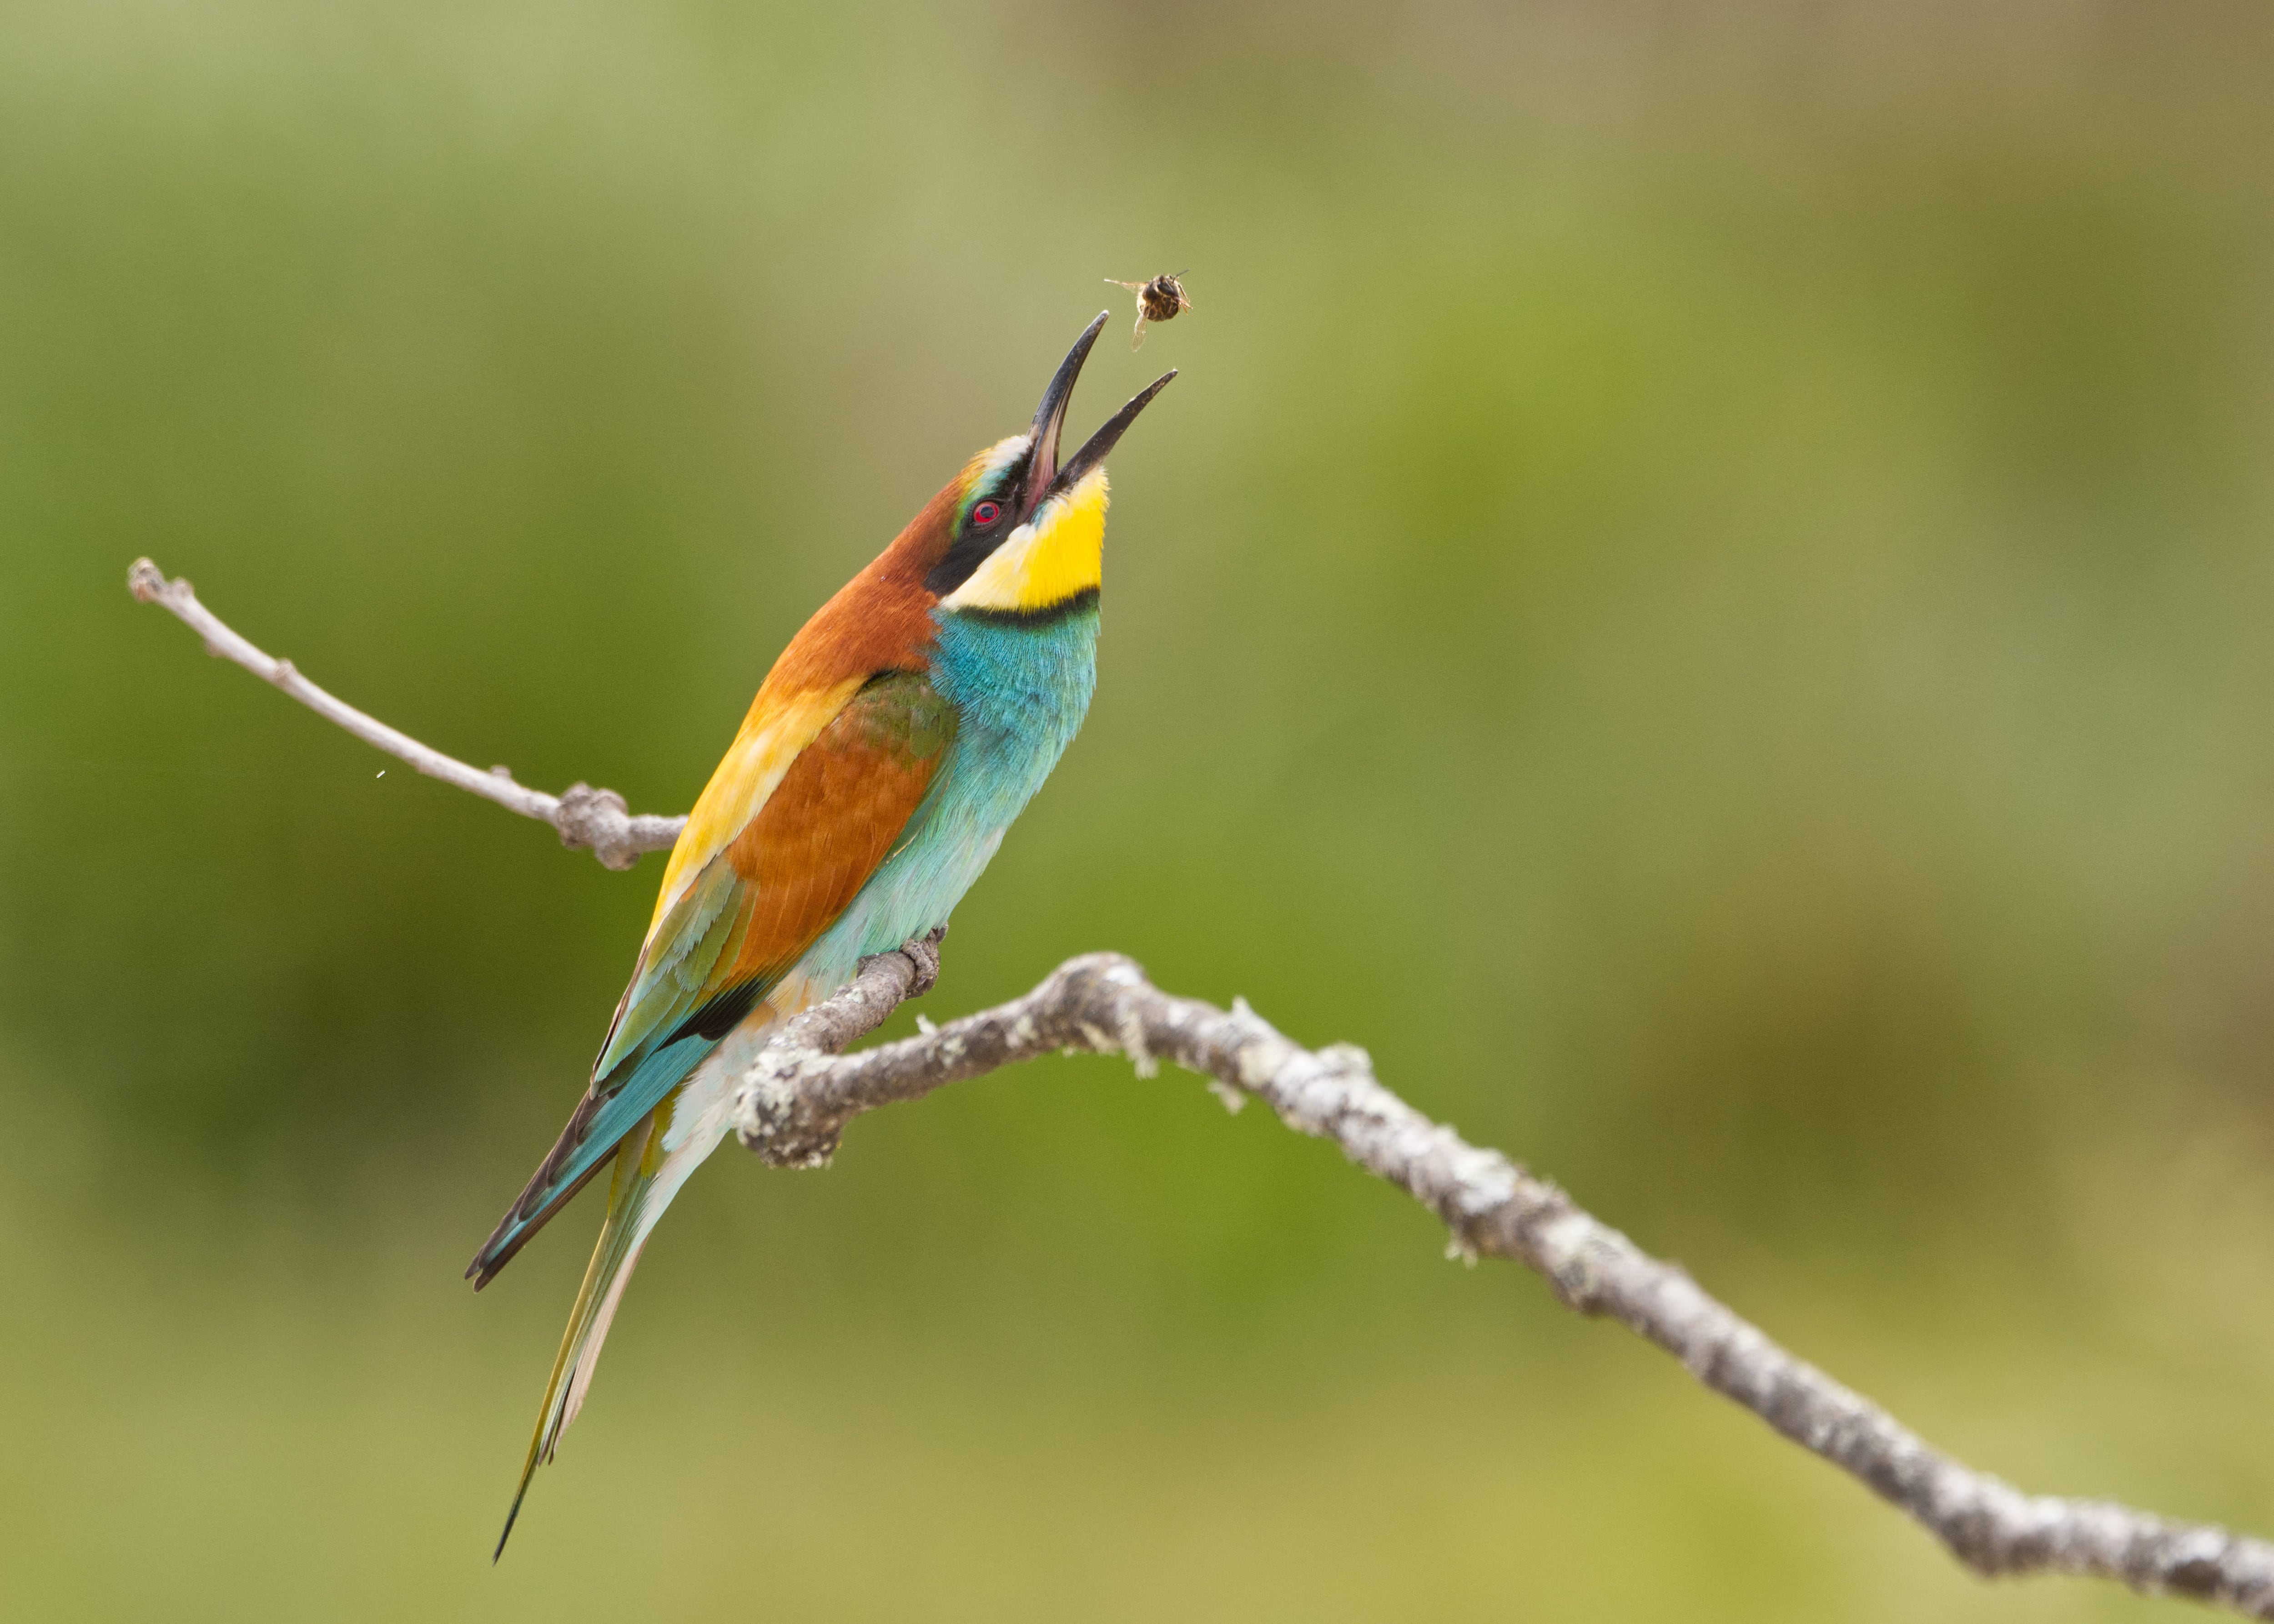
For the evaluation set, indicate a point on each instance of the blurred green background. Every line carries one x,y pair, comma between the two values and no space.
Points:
1704,594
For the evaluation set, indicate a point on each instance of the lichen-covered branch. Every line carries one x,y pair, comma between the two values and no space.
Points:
799,1093
596,819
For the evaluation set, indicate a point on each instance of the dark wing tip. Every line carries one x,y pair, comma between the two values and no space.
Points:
537,1203
512,1235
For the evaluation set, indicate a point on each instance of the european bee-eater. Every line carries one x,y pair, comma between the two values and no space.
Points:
886,753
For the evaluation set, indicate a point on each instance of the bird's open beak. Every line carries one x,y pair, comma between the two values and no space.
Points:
1046,477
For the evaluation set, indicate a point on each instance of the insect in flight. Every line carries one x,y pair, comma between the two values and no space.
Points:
1161,299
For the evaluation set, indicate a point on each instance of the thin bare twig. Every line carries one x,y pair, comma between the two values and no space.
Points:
597,819
799,1093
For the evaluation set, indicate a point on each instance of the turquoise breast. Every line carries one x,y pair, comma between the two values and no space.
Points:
1020,687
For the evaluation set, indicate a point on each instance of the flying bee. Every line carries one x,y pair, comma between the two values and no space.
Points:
1161,299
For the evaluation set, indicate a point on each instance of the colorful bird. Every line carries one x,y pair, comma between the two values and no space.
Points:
885,755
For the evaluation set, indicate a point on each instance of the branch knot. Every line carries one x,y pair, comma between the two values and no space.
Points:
789,1107
597,820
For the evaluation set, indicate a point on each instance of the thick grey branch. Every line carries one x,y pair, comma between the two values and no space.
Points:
593,818
799,1093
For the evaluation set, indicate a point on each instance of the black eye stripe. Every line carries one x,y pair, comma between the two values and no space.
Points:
977,536
969,552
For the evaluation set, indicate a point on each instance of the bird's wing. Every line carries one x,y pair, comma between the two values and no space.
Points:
731,925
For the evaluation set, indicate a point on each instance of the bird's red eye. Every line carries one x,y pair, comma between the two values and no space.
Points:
985,514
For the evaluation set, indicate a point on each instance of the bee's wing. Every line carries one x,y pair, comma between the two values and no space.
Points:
1137,338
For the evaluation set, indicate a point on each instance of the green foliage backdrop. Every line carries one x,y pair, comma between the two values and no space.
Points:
1704,594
